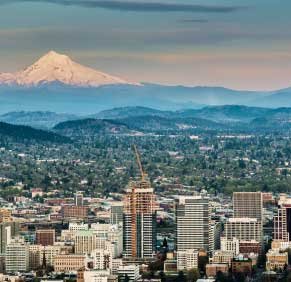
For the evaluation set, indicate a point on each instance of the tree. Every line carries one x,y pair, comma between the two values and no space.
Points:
162,276
202,261
193,275
165,243
181,277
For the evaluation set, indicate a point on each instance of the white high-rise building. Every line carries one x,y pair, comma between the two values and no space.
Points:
17,256
192,223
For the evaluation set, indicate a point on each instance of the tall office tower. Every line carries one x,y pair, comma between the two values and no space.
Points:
282,221
246,229
17,256
139,218
116,213
79,199
215,230
7,231
192,223
248,204
45,237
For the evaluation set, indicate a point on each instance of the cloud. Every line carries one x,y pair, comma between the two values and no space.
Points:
137,6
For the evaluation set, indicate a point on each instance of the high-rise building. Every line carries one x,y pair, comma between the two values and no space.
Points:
282,220
192,223
139,220
7,231
248,204
17,256
139,217
246,229
116,213
215,230
79,199
45,237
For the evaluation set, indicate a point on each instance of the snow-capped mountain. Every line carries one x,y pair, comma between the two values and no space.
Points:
54,67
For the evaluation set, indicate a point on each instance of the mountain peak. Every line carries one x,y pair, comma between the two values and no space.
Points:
54,55
56,67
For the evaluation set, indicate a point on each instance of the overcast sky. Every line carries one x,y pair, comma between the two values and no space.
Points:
238,44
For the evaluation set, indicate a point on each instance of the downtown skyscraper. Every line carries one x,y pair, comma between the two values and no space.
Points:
248,204
282,220
192,223
139,218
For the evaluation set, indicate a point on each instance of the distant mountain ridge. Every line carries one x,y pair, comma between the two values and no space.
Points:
58,97
37,119
224,115
142,120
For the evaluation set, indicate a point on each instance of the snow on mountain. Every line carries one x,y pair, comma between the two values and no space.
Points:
54,67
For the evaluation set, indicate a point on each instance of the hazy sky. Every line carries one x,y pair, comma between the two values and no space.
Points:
239,44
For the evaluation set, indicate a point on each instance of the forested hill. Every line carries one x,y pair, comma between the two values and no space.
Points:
21,133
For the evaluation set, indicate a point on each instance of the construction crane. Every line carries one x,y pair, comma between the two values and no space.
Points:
143,175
